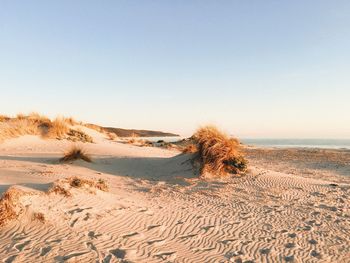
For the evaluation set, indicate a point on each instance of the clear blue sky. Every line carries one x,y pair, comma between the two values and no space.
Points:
255,68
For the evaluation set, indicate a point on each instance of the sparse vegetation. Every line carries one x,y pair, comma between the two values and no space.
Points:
39,216
36,124
10,207
78,135
76,153
58,129
77,182
60,190
63,187
4,118
218,153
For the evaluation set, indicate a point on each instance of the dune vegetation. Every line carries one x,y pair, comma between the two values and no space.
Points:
36,124
76,153
10,206
217,153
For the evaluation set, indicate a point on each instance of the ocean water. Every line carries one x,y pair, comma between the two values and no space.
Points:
300,143
281,143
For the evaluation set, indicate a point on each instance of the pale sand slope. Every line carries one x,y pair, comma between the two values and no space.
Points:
157,211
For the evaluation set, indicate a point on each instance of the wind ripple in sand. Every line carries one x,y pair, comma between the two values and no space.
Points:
263,217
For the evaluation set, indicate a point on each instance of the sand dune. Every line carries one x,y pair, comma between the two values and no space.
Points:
157,210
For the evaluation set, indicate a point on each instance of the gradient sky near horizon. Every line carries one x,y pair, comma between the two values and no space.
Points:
255,68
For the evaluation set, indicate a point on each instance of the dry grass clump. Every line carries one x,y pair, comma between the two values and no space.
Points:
4,118
58,129
59,189
218,153
36,124
39,216
10,207
78,135
77,182
76,153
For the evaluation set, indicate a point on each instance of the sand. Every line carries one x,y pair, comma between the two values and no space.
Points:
286,209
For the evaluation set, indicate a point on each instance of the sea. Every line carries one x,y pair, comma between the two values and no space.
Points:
280,143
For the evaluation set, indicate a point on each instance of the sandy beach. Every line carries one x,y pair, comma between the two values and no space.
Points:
291,206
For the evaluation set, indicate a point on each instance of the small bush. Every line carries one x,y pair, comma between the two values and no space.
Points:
218,153
76,153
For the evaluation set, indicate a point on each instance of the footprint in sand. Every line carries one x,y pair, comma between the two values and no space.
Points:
107,259
93,235
313,242
315,254
227,241
290,245
44,251
292,235
206,228
265,251
133,235
289,258
91,246
118,253
10,259
156,241
203,249
21,246
67,257
78,210
152,227
187,236
19,237
74,222
166,255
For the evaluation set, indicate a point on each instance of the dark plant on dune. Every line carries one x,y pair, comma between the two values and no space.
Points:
76,153
218,154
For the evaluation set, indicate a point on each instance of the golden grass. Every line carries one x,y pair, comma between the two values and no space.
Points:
36,124
58,129
218,153
76,153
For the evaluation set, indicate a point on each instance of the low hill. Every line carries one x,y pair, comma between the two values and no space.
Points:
140,133
132,132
